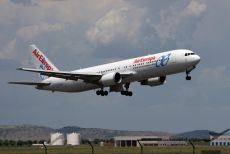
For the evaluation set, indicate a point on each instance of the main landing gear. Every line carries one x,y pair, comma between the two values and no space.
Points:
102,92
127,92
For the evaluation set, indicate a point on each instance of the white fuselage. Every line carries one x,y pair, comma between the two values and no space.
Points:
150,66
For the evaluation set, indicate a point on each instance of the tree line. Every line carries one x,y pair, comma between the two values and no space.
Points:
12,143
19,143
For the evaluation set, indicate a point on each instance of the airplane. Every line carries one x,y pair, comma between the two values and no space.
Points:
150,70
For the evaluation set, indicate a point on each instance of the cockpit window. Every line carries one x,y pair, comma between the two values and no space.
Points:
188,54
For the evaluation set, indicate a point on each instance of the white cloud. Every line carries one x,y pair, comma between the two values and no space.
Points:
32,31
75,11
34,20
195,8
172,19
120,23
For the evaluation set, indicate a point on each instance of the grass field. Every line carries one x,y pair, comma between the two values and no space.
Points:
109,150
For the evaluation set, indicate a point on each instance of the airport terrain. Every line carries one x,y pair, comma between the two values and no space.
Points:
112,150
32,132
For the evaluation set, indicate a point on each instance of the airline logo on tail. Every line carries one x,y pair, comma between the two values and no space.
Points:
42,59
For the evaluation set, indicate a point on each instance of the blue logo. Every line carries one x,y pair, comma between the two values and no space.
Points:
43,68
163,60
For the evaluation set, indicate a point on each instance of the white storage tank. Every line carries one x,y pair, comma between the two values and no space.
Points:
57,139
101,144
73,139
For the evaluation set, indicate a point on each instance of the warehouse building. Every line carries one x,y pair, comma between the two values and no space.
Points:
132,141
223,140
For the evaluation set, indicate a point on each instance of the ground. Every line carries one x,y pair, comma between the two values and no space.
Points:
109,150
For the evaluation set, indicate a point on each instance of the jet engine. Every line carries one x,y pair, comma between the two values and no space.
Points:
154,81
111,79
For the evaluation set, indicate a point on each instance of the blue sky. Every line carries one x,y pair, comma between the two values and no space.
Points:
76,34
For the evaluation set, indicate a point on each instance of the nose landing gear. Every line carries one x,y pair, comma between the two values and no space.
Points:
188,71
188,77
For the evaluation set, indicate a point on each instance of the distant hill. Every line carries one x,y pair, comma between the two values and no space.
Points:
196,134
32,132
108,133
24,132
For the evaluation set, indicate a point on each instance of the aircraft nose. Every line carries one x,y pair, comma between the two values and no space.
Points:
196,59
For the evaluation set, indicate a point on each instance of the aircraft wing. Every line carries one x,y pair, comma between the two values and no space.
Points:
66,75
40,84
87,77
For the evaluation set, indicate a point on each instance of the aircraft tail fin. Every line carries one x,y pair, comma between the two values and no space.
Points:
41,61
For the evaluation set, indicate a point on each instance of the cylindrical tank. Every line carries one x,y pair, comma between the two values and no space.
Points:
73,139
101,144
57,139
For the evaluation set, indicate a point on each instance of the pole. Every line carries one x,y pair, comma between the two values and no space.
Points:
193,146
140,146
45,147
91,146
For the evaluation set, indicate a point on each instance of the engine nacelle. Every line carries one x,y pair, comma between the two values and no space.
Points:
111,79
154,81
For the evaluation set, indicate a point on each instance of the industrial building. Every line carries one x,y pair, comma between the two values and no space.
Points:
223,140
57,139
73,139
132,141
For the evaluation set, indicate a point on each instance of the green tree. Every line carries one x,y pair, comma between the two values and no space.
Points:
12,143
20,143
28,143
1,142
41,142
5,143
35,142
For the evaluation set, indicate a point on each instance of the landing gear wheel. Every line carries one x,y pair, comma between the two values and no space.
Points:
123,92
130,93
188,77
127,93
98,92
106,93
102,93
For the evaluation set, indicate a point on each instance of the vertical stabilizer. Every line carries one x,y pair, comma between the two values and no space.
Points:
41,61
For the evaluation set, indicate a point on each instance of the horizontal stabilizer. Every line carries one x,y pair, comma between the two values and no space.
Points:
30,83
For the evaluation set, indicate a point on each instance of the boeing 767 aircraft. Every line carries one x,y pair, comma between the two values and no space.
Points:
149,70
